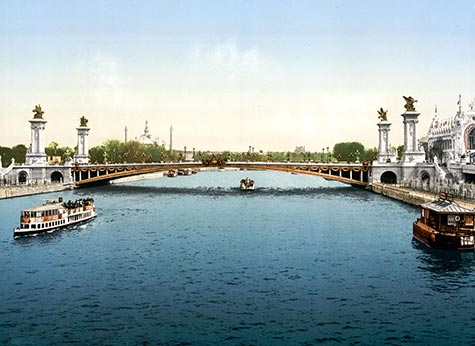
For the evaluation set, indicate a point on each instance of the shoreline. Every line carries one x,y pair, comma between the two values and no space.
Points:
28,190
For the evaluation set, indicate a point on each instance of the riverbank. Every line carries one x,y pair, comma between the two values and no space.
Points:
411,196
26,190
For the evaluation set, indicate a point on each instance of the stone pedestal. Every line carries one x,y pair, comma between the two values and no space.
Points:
385,153
36,154
82,153
412,152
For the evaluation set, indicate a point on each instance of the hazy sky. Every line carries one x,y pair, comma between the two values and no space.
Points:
228,74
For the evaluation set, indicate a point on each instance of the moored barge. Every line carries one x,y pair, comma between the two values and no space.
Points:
53,215
445,224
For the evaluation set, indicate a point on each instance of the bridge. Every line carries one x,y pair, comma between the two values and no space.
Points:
97,174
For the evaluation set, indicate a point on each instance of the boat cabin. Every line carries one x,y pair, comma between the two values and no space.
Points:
446,216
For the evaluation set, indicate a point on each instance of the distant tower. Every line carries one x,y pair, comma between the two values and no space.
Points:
82,153
36,154
171,138
125,134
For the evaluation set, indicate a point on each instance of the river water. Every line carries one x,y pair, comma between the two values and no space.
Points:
194,261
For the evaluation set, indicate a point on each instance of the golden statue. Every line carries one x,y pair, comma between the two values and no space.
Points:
38,112
409,104
83,121
383,115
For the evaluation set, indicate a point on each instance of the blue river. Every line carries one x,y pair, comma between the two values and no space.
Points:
193,260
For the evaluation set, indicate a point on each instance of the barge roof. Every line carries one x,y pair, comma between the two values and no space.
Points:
444,206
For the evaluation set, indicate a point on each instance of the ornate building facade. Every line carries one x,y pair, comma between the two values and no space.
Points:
452,139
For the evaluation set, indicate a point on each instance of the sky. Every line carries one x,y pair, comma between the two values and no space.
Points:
232,74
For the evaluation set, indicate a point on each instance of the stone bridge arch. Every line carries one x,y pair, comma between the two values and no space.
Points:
57,177
388,177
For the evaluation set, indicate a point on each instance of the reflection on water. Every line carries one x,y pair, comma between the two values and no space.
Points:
448,268
195,261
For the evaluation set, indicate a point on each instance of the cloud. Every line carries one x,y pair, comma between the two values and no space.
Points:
105,71
225,55
99,79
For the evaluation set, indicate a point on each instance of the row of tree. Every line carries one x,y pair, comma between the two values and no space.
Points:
116,151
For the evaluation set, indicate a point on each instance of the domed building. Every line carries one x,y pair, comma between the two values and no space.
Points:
146,138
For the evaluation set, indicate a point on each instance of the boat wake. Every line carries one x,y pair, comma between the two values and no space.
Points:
232,191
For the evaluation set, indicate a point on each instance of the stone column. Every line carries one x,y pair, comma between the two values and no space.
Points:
412,153
36,154
385,153
82,153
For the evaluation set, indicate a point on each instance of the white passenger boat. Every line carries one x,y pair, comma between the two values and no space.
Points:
53,215
247,184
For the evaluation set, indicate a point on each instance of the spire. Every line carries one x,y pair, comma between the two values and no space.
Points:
171,138
145,132
459,103
125,134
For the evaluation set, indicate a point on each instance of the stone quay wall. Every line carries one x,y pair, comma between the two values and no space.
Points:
413,196
31,189
403,194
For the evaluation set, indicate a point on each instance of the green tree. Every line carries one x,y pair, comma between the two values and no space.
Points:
348,151
52,149
370,154
114,150
96,154
400,151
7,155
67,153
19,153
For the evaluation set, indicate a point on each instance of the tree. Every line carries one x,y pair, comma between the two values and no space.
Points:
67,153
19,153
400,151
96,154
348,151
52,149
7,155
114,150
370,154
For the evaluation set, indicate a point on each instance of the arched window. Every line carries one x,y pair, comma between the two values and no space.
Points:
471,140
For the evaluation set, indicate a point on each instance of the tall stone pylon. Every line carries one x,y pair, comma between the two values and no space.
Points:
82,153
36,154
385,153
412,152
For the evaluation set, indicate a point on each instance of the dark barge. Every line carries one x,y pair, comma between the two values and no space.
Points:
444,224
